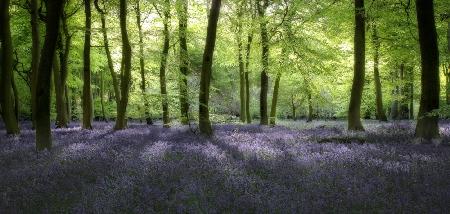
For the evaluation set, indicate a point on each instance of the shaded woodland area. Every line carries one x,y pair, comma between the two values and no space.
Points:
261,100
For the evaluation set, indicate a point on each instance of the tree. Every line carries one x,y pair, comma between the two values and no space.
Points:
61,72
108,53
42,93
121,120
380,114
182,8
87,94
242,88
273,107
427,123
247,82
205,78
6,67
262,6
36,46
142,65
354,112
163,64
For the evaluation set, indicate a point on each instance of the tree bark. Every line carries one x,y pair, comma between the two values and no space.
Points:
148,119
354,112
35,48
310,108
427,125
394,113
381,115
294,108
121,120
163,65
108,53
102,100
242,112
262,6
273,107
6,93
247,82
87,93
43,132
447,75
205,78
404,104
184,61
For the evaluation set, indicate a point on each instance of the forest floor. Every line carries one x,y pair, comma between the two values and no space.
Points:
308,167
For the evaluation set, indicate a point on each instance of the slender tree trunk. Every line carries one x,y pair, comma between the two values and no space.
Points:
262,6
102,100
121,120
87,94
294,108
16,97
59,93
273,107
43,133
427,125
205,78
310,108
381,115
448,64
404,104
184,60
242,112
394,113
148,119
108,54
162,70
411,94
62,116
35,48
68,104
354,112
6,67
247,82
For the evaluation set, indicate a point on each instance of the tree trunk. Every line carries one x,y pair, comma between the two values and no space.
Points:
427,125
294,108
62,116
354,112
148,119
394,113
404,104
108,54
273,107
242,112
381,115
247,82
448,64
411,93
205,78
16,97
43,132
184,61
59,94
121,121
87,94
310,108
163,65
102,100
262,6
6,101
35,48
